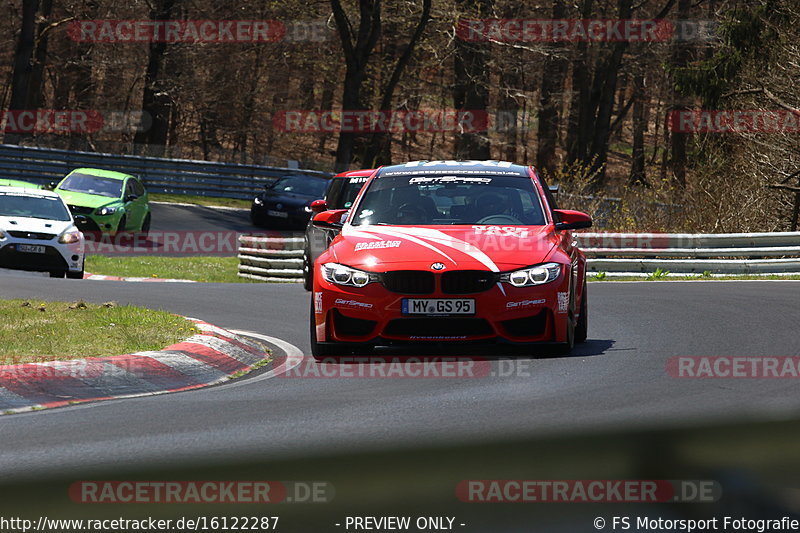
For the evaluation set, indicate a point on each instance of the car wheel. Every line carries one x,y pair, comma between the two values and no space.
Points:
257,220
308,280
57,273
75,275
582,328
122,223
146,225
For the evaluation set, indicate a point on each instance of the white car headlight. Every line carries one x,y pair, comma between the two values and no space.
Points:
535,275
345,275
70,237
103,211
258,201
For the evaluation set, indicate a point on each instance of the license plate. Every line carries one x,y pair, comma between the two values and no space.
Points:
279,214
438,306
30,248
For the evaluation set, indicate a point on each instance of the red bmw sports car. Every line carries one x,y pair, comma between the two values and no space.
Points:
448,251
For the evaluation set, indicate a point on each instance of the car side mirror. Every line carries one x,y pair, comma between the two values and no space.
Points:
569,219
331,219
318,206
131,197
50,186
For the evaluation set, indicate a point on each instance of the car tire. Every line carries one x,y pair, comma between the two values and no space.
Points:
146,225
308,278
121,226
75,275
57,273
257,220
582,327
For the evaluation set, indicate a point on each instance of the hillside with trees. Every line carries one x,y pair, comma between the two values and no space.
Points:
596,116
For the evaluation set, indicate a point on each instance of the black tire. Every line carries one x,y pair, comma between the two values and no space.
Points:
582,327
257,220
146,225
122,223
57,273
308,278
75,275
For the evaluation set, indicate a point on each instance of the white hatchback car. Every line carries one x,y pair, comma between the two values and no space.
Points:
37,232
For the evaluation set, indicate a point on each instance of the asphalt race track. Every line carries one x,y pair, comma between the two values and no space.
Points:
615,384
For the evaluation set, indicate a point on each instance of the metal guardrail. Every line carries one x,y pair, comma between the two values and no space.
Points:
276,259
176,176
680,253
621,254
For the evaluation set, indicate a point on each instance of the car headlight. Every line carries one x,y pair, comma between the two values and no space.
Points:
535,275
108,210
345,275
307,209
70,237
258,201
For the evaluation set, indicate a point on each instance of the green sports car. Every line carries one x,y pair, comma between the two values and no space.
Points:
104,201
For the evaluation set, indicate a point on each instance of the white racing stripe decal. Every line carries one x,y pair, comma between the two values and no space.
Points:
440,238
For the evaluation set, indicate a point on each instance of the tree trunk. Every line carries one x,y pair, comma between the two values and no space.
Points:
581,112
471,87
550,102
638,176
681,55
356,54
155,100
21,86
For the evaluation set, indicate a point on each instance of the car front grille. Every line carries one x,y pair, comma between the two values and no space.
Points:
467,281
409,281
438,327
32,235
80,210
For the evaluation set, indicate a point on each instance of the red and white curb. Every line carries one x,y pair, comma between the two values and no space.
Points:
212,356
117,278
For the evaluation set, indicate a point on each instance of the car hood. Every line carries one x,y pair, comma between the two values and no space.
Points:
290,200
494,248
34,225
86,200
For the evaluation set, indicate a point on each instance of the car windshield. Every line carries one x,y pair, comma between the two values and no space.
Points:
304,185
21,205
77,182
439,200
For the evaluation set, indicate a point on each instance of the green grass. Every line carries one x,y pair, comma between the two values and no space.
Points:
209,269
199,200
36,330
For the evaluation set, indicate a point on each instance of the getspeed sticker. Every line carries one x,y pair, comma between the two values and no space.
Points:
376,245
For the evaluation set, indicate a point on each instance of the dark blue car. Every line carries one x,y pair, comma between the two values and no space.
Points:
286,202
